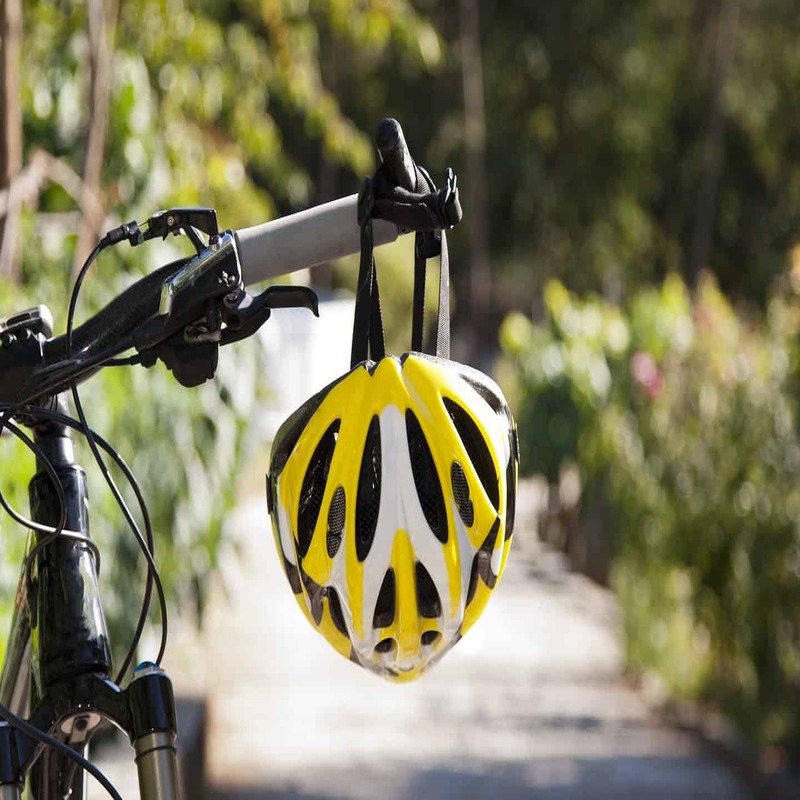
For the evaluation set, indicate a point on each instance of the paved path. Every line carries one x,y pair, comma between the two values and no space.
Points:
529,705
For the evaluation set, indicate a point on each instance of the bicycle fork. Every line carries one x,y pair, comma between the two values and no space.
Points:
146,709
153,731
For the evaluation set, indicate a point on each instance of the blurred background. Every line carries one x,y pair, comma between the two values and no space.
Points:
628,269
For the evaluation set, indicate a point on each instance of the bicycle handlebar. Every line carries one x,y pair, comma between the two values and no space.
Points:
305,239
210,286
287,244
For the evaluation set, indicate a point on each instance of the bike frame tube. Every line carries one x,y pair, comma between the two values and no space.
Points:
69,635
58,630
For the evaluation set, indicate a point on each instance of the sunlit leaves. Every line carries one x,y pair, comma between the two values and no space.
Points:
695,443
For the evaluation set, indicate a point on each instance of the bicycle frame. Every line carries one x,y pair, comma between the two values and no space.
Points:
57,671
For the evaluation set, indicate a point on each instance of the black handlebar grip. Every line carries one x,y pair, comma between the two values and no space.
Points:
397,161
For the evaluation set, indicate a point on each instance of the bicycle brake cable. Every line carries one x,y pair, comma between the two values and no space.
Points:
153,576
57,378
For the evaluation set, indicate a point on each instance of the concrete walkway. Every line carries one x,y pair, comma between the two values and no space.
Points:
530,704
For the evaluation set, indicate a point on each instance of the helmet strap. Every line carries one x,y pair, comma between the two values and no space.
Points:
368,341
428,245
368,337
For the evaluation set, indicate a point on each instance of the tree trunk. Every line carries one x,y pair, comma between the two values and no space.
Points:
10,131
480,287
102,20
713,144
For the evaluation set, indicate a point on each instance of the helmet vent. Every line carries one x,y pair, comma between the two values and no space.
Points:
511,483
335,609
426,480
479,383
428,603
429,637
385,646
336,515
482,563
313,488
385,604
461,494
314,596
369,490
476,448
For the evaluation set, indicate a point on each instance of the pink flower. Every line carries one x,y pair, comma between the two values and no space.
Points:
646,374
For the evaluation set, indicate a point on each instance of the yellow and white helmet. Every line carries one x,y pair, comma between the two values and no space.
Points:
392,499
392,490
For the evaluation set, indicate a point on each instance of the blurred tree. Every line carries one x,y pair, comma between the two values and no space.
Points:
644,144
475,201
625,139
713,137
10,130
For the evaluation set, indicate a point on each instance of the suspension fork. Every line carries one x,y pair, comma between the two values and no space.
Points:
153,730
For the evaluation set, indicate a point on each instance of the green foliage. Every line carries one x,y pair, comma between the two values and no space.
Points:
696,438
598,119
563,373
195,451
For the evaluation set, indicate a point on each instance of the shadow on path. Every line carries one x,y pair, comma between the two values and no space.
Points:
654,778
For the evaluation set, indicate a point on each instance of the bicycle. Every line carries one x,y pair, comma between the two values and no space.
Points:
56,683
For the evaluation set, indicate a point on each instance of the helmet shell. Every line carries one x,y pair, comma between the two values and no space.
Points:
392,496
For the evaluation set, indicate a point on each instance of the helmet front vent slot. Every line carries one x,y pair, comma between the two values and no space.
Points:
336,516
477,450
313,488
461,494
335,609
385,604
368,495
511,483
429,604
426,479
482,563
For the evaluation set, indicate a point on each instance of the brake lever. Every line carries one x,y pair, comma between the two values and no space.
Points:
245,314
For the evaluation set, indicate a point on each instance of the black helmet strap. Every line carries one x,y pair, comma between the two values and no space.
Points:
409,212
368,339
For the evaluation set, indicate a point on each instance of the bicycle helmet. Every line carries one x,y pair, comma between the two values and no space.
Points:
392,501
392,494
